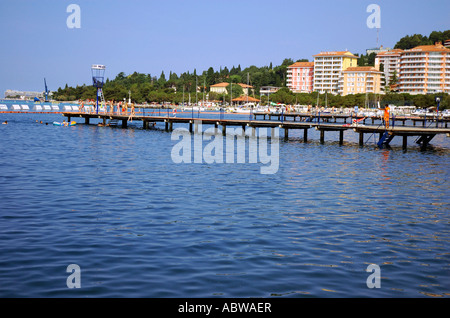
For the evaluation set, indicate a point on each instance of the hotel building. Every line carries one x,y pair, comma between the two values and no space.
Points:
425,70
359,80
300,77
328,67
391,63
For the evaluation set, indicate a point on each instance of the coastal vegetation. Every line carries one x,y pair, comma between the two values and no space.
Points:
409,41
191,86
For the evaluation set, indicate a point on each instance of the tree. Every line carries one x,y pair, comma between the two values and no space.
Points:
394,78
235,89
162,78
283,95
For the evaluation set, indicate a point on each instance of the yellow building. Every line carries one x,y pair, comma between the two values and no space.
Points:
328,67
360,80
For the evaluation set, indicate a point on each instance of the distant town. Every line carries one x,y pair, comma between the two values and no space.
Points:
423,69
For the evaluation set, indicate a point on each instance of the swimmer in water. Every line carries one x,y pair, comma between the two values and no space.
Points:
5,122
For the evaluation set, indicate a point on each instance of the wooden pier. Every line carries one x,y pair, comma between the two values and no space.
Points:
337,117
424,134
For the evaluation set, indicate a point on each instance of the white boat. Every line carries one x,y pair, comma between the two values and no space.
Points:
240,110
423,113
194,108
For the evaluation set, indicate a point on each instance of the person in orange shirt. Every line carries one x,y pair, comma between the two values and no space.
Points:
386,116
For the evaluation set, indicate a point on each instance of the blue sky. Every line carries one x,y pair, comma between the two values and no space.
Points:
175,35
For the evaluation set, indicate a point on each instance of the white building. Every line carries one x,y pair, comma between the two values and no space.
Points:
268,90
391,63
328,67
221,88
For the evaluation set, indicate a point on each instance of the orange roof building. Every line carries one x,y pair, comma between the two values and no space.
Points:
221,88
300,77
425,69
360,80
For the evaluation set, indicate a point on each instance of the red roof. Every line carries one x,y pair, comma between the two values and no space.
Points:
391,52
361,69
225,84
244,99
438,47
302,64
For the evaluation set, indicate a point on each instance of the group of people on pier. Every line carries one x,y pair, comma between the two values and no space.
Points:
108,107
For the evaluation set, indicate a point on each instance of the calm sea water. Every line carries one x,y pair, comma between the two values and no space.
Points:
112,201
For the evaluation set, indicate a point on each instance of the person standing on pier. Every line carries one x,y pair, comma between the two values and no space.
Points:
386,116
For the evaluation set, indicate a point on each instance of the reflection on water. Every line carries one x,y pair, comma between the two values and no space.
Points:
112,201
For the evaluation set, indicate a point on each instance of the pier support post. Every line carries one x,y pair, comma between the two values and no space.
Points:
424,144
145,124
104,121
171,126
166,126
361,139
305,135
216,127
286,134
322,136
224,130
405,143
86,120
124,123
190,127
195,127
253,132
341,137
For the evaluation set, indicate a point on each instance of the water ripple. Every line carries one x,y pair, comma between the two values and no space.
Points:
138,225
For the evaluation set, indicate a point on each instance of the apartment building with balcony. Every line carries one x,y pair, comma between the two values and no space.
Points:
328,67
360,80
391,64
425,70
300,77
